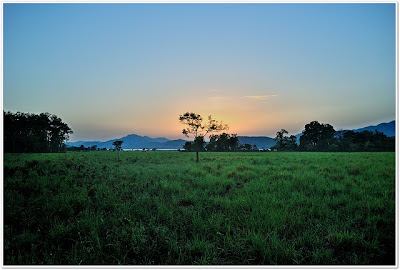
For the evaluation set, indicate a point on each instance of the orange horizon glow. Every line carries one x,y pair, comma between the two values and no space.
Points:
254,66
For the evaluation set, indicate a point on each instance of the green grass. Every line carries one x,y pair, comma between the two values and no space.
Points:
230,208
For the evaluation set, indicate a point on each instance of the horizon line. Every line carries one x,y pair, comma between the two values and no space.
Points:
102,141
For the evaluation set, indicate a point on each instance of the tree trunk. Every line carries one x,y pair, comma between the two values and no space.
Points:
197,156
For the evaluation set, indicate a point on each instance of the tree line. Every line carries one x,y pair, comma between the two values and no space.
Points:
82,148
323,137
219,143
315,137
28,132
34,133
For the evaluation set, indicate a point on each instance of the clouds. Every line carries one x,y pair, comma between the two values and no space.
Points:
238,97
260,97
215,90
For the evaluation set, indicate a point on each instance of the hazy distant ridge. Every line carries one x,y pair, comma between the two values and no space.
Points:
134,141
388,128
261,141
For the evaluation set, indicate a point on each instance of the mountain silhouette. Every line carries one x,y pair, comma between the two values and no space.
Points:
134,141
389,129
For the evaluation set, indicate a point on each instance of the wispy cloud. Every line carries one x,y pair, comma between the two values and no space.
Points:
260,96
219,97
215,90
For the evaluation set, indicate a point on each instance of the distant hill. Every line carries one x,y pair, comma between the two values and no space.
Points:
388,128
260,141
172,144
134,141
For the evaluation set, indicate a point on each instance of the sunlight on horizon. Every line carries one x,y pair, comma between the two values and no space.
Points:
258,67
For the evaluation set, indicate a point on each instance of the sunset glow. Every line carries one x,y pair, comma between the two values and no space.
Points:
109,70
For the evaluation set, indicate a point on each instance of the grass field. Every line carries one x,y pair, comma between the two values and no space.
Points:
230,208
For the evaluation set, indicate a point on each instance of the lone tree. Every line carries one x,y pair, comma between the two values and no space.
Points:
199,129
118,146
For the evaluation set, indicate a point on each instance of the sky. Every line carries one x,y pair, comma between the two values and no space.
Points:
109,70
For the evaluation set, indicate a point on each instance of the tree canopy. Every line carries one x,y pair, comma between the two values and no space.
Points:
350,141
223,142
199,129
323,137
117,145
27,132
317,136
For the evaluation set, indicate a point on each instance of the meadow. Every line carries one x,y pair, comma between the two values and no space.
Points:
229,209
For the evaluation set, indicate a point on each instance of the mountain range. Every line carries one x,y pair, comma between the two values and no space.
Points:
134,141
388,128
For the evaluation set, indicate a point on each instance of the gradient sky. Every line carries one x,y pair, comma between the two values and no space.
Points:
109,70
